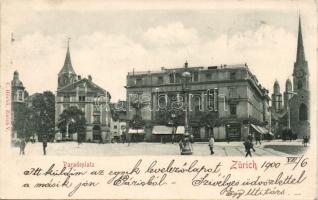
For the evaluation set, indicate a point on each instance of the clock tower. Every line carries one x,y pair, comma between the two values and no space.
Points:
300,73
299,103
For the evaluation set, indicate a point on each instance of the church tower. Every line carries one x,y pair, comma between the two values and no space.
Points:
67,74
300,73
288,92
276,97
299,104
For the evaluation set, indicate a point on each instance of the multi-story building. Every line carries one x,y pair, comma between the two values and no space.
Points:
73,90
294,115
228,95
18,96
118,121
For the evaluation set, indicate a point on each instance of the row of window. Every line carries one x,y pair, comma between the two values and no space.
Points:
96,118
96,109
80,98
177,78
80,106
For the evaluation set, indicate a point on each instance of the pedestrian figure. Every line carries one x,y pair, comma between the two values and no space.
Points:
123,138
290,134
22,146
79,139
250,137
191,138
181,144
305,141
100,140
258,138
248,146
172,136
211,143
44,145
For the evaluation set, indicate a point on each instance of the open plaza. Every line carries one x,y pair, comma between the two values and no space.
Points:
267,148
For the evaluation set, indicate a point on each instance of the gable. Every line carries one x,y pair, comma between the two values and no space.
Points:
83,84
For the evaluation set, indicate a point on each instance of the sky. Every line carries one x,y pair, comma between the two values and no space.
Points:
109,39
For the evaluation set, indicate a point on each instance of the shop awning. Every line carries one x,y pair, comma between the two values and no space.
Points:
259,129
264,130
136,131
162,130
180,130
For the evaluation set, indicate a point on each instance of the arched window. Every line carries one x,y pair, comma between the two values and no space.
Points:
303,114
300,84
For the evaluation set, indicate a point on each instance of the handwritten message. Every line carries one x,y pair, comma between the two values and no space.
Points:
157,174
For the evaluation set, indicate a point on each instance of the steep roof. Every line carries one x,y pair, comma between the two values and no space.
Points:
90,86
300,46
67,67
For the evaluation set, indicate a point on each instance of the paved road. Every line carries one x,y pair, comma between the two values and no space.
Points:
200,149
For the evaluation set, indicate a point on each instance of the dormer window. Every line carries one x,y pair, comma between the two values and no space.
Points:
232,75
138,81
195,77
160,80
178,78
171,78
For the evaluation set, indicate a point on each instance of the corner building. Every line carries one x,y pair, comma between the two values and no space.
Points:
240,103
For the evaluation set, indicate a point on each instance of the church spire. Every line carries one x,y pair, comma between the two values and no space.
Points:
67,67
300,46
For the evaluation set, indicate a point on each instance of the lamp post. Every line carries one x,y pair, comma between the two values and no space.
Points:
173,124
227,133
186,75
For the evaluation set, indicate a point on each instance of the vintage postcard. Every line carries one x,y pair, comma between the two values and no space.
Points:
158,99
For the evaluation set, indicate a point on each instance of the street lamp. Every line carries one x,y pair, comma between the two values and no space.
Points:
227,133
186,75
172,123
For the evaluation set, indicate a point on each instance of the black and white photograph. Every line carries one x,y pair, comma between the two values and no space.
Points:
161,82
232,80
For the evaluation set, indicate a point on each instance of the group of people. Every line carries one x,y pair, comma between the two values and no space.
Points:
248,144
305,140
23,142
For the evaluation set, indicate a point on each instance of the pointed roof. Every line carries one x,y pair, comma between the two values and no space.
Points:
90,85
300,46
276,87
288,85
67,67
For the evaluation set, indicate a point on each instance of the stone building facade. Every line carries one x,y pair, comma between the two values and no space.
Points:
230,94
94,101
18,96
294,113
118,123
